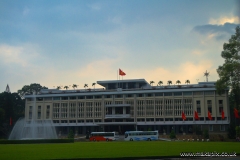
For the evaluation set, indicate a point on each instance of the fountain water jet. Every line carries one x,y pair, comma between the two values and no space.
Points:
33,128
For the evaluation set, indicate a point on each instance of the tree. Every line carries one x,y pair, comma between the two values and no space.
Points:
11,107
66,87
29,89
59,87
71,134
237,129
187,82
229,72
74,86
178,82
93,84
160,83
151,82
172,134
205,133
169,82
85,85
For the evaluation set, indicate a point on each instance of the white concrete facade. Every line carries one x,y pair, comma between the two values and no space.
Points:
136,103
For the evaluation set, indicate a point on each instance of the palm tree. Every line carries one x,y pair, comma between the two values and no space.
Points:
169,82
160,83
93,84
187,81
66,87
151,82
59,87
74,86
178,82
85,85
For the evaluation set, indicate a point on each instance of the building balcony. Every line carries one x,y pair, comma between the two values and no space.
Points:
117,116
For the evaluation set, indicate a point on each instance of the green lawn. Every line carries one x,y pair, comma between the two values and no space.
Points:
111,149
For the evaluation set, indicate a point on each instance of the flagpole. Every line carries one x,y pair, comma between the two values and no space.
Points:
117,78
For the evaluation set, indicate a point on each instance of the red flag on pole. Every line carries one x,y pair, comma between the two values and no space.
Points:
10,122
183,116
236,113
209,115
223,114
196,115
121,73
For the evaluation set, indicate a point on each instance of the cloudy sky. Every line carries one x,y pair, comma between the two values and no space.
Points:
59,43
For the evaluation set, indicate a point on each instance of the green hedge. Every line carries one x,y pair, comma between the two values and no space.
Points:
36,141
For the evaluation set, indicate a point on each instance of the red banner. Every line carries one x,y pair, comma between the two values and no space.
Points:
10,122
121,73
209,115
223,116
196,115
183,116
236,113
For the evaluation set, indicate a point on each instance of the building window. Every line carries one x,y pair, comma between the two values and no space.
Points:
210,127
56,98
209,105
149,95
222,127
48,112
168,94
71,98
177,93
64,98
39,115
129,95
89,97
81,97
48,98
187,93
158,94
198,93
140,95
107,96
118,96
220,105
198,103
209,93
39,112
30,115
98,97
40,99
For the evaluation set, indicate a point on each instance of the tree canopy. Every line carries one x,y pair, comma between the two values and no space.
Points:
29,89
11,107
229,72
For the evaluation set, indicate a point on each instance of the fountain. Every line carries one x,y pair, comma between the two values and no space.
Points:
33,128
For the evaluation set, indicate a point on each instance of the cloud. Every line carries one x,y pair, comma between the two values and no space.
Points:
20,55
216,31
197,52
26,11
209,28
95,6
223,20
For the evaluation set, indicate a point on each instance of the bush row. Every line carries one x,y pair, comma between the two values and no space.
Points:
36,141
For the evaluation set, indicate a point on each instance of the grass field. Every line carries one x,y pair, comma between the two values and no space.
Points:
111,149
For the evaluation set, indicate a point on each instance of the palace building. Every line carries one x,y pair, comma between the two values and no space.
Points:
124,105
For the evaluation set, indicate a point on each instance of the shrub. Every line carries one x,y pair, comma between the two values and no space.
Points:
206,134
172,134
71,134
36,141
